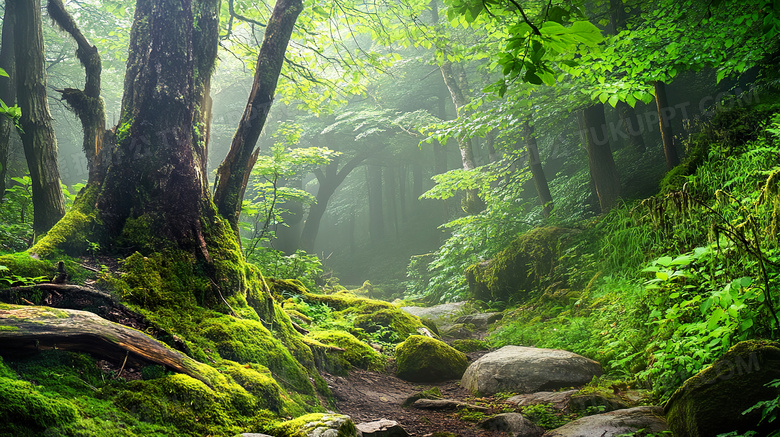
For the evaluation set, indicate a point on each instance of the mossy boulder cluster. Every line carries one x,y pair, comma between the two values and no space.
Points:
519,271
713,401
424,359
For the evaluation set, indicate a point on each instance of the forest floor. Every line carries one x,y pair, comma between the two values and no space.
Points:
368,396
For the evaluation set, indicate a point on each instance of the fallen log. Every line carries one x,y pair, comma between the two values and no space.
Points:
77,297
34,328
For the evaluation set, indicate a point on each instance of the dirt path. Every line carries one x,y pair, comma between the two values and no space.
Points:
368,396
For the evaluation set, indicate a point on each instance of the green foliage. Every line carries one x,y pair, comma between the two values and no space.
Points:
544,415
769,410
16,216
264,204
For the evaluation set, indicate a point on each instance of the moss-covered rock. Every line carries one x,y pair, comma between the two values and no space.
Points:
384,320
356,353
712,401
469,345
316,424
424,359
521,269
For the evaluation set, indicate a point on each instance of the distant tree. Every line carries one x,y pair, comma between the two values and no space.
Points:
7,87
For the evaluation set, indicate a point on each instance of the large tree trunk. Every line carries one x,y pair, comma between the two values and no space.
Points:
156,184
7,88
537,172
600,162
40,144
233,173
665,123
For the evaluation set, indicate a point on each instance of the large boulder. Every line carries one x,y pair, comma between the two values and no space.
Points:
521,369
619,422
425,359
712,401
519,270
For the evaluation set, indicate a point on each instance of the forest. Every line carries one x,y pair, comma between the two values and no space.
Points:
439,218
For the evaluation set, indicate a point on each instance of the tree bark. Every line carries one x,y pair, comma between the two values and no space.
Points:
157,183
87,103
40,144
600,162
665,124
7,88
537,172
233,173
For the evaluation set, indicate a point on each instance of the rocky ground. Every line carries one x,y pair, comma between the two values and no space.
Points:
369,396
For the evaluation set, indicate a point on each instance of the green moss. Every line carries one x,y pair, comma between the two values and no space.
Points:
258,381
162,280
424,359
384,320
304,425
74,232
520,269
469,345
24,265
356,353
23,406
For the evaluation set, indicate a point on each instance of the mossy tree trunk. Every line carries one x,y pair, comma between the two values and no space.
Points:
40,144
603,172
7,88
233,173
155,187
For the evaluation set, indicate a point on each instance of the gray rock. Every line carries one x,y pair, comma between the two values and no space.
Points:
445,404
480,320
457,331
513,423
331,425
382,428
649,419
528,370
558,399
439,314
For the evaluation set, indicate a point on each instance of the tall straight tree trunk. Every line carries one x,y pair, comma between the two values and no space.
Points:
376,216
600,162
665,124
537,172
40,144
402,192
233,173
7,88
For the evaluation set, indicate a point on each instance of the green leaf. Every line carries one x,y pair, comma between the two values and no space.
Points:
3,73
665,261
715,318
613,100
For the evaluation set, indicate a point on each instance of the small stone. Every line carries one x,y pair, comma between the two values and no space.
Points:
382,428
513,423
